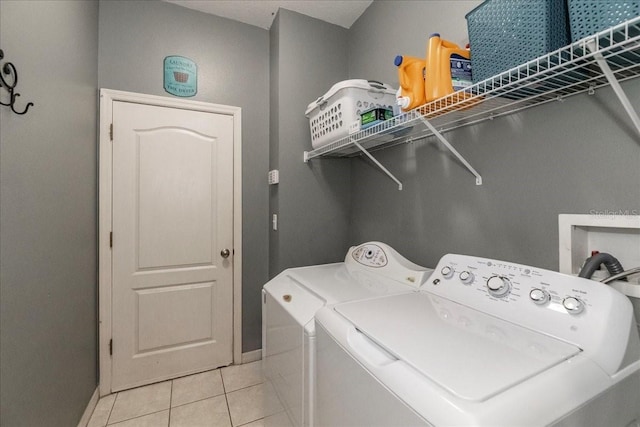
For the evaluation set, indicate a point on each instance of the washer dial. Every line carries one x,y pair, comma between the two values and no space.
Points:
539,296
447,272
573,305
466,277
498,286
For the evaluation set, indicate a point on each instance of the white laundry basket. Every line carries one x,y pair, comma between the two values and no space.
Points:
336,112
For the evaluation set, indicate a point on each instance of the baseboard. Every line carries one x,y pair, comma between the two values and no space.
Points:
252,356
89,409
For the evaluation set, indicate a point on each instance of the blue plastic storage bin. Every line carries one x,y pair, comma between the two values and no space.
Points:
587,17
507,33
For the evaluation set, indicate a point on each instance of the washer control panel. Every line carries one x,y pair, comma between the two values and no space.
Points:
370,254
580,311
507,282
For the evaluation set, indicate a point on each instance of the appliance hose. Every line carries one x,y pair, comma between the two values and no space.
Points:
593,263
621,275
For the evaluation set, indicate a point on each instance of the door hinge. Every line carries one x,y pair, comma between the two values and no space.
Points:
111,131
111,347
111,239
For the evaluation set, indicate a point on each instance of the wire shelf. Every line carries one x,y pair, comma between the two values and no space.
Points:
568,71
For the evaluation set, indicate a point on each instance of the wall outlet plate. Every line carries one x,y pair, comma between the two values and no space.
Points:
274,176
614,232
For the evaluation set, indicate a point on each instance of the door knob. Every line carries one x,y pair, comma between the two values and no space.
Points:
225,253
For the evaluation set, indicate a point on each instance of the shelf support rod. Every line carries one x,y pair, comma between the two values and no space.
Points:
373,159
453,150
615,85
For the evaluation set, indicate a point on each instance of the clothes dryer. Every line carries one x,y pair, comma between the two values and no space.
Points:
290,301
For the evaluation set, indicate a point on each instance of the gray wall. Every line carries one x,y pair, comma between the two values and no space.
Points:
399,27
233,64
48,368
274,138
312,200
571,157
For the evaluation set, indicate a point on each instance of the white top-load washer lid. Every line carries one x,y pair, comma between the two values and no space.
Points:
469,353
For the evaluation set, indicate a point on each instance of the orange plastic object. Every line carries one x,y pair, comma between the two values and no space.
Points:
448,68
411,77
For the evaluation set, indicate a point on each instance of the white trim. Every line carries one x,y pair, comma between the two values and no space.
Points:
88,411
573,234
107,97
237,235
252,356
104,251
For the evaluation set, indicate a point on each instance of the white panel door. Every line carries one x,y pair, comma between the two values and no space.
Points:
172,219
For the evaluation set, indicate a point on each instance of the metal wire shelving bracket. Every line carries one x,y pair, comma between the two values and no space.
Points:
453,150
373,159
615,85
603,59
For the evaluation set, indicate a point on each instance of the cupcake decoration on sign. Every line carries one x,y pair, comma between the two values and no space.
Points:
180,76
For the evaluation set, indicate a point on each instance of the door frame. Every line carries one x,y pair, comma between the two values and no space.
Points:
105,163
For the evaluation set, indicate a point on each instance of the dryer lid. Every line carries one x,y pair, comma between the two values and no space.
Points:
469,353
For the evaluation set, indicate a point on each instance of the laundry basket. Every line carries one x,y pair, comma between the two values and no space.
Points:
506,33
587,17
333,114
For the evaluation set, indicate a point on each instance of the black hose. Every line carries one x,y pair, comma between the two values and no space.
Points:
593,263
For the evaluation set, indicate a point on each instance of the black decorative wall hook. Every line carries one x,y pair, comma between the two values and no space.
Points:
10,83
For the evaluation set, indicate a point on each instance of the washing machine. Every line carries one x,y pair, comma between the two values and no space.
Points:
290,301
483,343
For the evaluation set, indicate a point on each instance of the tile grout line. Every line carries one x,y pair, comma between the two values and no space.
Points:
197,400
233,391
226,400
111,410
170,404
222,380
136,417
245,387
246,424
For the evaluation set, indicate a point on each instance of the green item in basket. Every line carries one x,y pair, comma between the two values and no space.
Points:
375,116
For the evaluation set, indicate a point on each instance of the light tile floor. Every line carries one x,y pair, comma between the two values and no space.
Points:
226,397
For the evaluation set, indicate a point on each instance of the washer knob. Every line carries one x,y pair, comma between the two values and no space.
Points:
447,272
539,296
573,305
466,277
498,286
